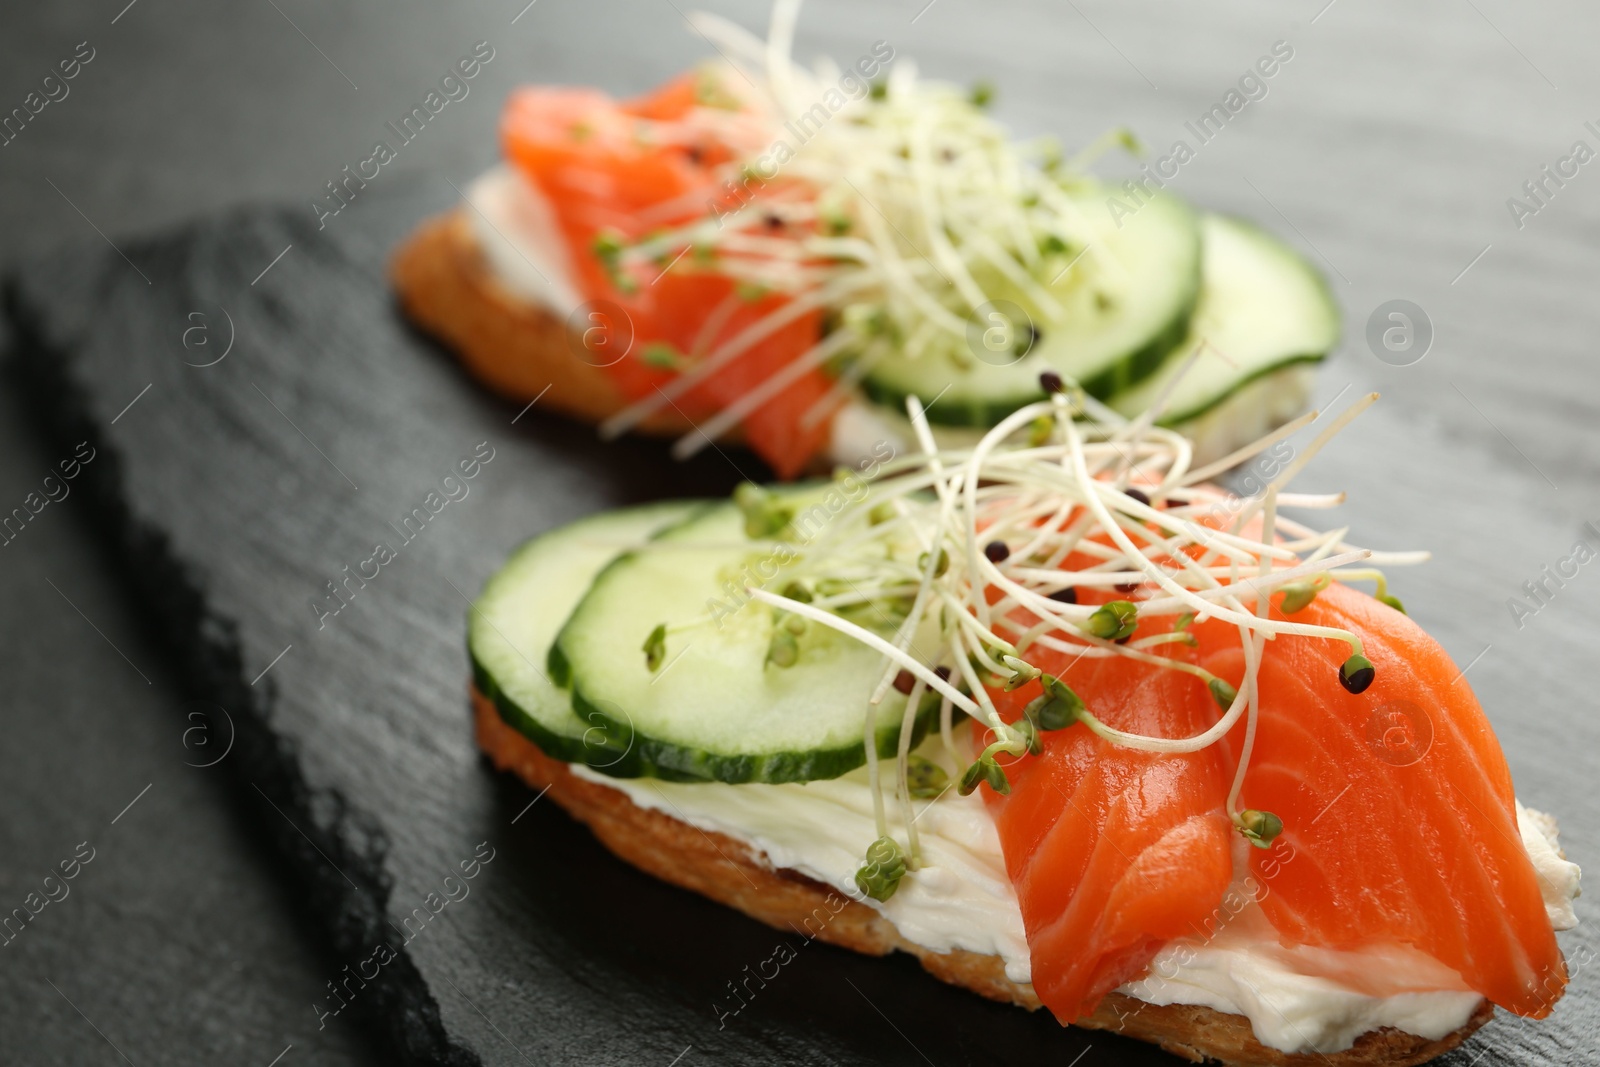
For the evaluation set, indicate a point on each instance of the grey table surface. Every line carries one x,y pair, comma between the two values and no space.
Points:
1387,148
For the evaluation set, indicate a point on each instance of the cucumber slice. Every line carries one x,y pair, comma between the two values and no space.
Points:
518,614
714,708
1126,303
1263,309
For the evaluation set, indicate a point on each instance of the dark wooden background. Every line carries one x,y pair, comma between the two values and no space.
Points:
1386,149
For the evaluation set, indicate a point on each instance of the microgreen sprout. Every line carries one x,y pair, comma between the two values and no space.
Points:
984,769
898,221
783,650
885,866
655,648
1297,595
1056,708
1113,621
924,590
1383,596
1029,733
1357,673
925,779
662,355
1025,672
1260,828
1223,693
764,516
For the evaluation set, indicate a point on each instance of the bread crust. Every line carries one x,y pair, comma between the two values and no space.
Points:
517,347
724,869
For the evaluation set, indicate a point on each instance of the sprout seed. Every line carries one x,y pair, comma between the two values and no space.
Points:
1357,673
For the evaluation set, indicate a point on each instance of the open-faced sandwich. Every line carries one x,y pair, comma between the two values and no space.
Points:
1059,717
785,254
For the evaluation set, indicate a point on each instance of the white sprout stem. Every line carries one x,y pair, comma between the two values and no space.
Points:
1114,530
1298,464
990,441
869,743
970,675
1252,662
871,640
908,628
1255,448
1253,647
738,345
947,731
907,721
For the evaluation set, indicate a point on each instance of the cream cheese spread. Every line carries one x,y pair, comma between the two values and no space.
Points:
1297,999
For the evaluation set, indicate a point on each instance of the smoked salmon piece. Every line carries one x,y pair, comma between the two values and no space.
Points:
1397,803
1113,851
625,171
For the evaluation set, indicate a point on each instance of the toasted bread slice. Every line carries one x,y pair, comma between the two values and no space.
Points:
725,870
517,347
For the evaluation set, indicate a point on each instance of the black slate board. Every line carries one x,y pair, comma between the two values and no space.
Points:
231,493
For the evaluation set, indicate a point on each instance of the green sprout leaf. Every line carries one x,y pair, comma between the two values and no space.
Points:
783,650
885,865
1183,621
970,778
1357,673
1030,735
1223,693
763,515
1025,673
1296,595
1040,431
655,648
608,245
984,769
1113,621
1392,601
1057,708
1260,828
995,775
662,355
924,778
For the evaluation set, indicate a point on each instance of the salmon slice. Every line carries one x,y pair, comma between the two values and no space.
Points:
1397,802
632,169
1113,852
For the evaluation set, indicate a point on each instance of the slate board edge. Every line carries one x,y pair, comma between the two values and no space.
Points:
350,904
